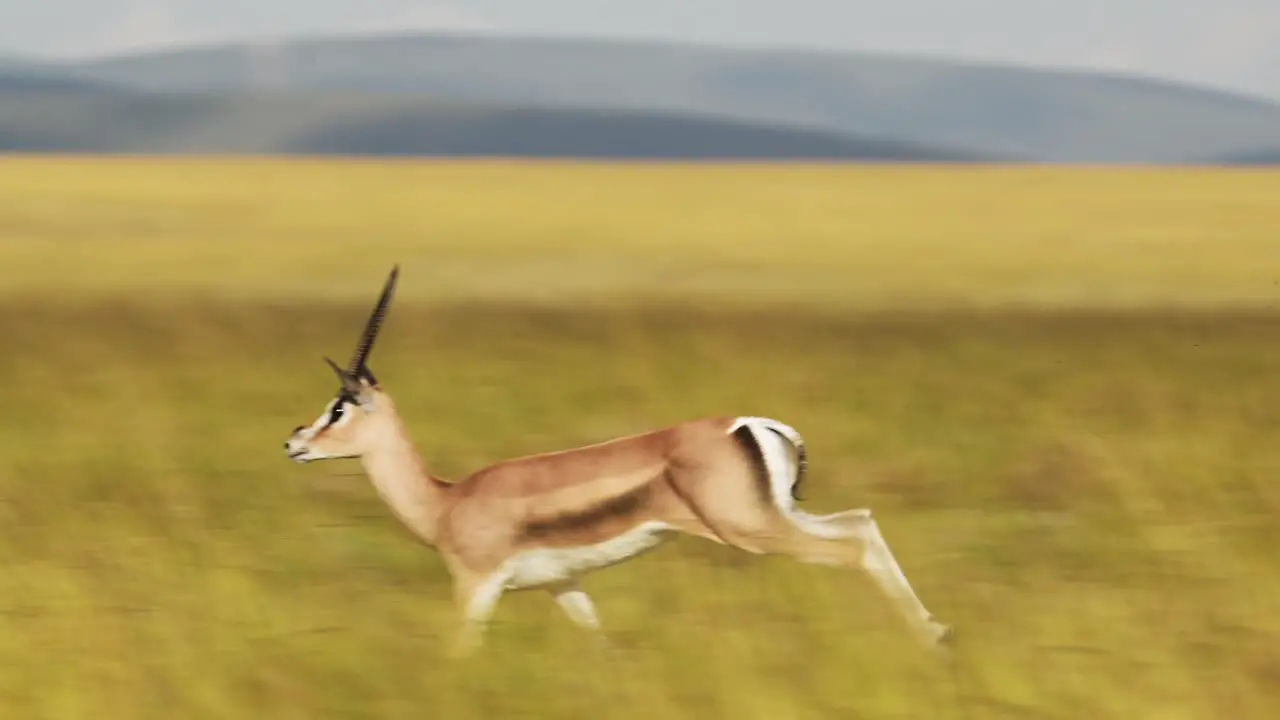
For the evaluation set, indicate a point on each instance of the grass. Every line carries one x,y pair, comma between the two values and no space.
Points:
825,237
1056,387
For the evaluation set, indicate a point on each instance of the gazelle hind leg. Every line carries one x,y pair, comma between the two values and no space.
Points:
852,539
837,525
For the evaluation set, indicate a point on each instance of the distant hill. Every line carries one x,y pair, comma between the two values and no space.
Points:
539,132
75,115
27,80
1267,157
982,109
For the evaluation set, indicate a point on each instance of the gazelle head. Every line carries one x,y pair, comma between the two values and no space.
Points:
348,423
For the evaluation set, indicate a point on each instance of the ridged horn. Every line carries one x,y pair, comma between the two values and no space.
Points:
375,321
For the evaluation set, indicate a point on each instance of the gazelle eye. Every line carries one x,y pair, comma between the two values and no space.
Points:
336,414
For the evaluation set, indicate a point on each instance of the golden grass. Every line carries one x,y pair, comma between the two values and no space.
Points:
1085,485
825,236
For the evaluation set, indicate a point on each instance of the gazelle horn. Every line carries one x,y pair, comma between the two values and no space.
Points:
349,382
371,328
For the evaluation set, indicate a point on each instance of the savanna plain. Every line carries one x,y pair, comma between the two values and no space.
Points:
1058,390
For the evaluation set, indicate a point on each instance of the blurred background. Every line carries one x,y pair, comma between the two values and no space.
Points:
1011,268
919,80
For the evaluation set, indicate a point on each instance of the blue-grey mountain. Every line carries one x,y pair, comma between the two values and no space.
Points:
450,94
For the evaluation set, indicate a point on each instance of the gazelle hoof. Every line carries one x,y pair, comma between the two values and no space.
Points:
946,637
942,636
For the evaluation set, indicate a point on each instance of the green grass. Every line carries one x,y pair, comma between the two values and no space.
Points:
1084,485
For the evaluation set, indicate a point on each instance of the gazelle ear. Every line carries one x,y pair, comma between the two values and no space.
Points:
366,376
365,400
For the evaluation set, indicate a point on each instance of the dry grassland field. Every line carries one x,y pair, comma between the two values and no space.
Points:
1059,389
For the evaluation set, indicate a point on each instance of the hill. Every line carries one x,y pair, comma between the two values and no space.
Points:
1048,115
75,115
25,79
1264,156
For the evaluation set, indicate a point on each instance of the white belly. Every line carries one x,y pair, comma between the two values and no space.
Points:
550,565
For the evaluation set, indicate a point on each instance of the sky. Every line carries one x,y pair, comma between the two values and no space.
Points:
1231,44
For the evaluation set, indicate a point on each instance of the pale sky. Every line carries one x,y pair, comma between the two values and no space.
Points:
1233,44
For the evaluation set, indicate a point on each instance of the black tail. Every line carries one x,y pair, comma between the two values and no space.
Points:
802,466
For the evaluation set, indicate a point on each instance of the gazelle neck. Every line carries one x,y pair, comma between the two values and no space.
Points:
401,478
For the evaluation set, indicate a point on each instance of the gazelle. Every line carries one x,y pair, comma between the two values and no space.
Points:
542,521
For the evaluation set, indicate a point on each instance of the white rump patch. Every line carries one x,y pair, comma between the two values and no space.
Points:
777,442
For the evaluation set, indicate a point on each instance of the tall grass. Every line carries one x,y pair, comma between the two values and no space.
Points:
1056,388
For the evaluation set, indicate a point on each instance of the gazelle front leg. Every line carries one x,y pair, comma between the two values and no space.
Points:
575,603
476,596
